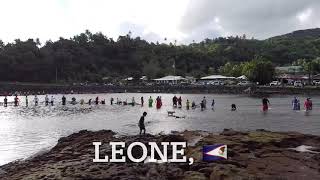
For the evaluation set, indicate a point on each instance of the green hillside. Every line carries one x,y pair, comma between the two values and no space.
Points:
89,57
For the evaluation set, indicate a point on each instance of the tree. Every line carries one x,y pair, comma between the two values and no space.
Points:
91,56
259,70
151,69
311,67
226,69
232,69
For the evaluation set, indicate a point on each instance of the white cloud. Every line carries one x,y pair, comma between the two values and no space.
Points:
257,18
50,19
154,20
305,15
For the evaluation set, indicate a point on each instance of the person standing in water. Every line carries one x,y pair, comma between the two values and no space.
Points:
193,105
188,104
125,102
46,99
36,100
52,101
204,102
295,104
180,102
308,104
16,101
212,104
5,101
103,101
174,101
158,102
133,101
202,105
142,101
233,107
63,100
118,102
150,101
27,102
111,101
265,104
97,100
73,101
81,101
141,123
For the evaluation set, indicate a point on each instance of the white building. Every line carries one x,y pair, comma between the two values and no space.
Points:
170,79
144,78
129,79
216,77
243,77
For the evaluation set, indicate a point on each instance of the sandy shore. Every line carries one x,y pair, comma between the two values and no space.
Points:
251,155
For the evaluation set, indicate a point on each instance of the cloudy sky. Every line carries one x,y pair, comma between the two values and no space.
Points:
154,20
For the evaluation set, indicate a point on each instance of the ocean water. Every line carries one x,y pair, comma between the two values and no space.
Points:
25,131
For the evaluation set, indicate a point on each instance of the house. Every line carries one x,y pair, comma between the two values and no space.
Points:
170,80
289,69
216,77
129,79
190,79
144,78
243,77
290,78
316,77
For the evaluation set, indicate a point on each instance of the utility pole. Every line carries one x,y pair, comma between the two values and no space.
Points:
56,74
174,61
174,66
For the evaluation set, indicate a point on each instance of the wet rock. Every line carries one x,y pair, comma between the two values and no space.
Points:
206,171
152,173
230,132
194,175
251,155
2,172
173,138
227,172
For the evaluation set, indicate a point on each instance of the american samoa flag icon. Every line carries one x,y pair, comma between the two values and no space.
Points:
214,152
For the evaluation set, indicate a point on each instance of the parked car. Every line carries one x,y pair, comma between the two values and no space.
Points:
216,83
275,83
108,84
244,83
230,82
297,84
198,83
316,82
184,83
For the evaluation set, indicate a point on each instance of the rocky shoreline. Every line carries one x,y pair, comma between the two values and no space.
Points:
251,155
25,88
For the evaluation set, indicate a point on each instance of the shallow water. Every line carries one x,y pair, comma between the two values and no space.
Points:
28,130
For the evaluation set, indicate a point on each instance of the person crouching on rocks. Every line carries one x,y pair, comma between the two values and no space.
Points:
141,123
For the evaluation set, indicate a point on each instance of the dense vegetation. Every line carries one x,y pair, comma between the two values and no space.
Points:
258,70
90,57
